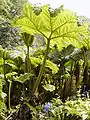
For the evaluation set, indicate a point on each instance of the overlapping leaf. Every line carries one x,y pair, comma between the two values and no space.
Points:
52,66
24,77
49,87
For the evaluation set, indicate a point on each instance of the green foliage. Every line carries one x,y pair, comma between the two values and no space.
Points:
52,66
24,77
56,67
0,89
62,29
18,6
9,36
79,108
72,109
2,104
49,87
35,61
2,110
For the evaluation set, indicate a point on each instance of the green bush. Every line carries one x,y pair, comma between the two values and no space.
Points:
78,109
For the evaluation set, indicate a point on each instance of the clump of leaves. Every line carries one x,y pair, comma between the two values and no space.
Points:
72,109
60,30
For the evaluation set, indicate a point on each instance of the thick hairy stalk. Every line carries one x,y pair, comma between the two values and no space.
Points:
38,80
4,70
28,64
9,93
28,61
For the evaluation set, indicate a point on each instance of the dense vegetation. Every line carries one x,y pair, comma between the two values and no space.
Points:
44,63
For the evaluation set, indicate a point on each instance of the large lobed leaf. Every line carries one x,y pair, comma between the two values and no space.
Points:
62,29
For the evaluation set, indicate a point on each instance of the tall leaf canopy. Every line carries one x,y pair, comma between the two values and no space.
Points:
62,28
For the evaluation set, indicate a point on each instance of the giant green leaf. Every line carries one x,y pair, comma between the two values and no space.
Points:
62,29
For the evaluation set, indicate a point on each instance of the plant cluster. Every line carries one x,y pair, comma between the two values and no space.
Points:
32,75
75,109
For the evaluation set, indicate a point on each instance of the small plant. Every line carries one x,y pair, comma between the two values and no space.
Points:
75,109
47,107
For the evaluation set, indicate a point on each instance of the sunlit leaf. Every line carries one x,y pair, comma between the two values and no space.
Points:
49,87
62,29
52,66
35,61
24,77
